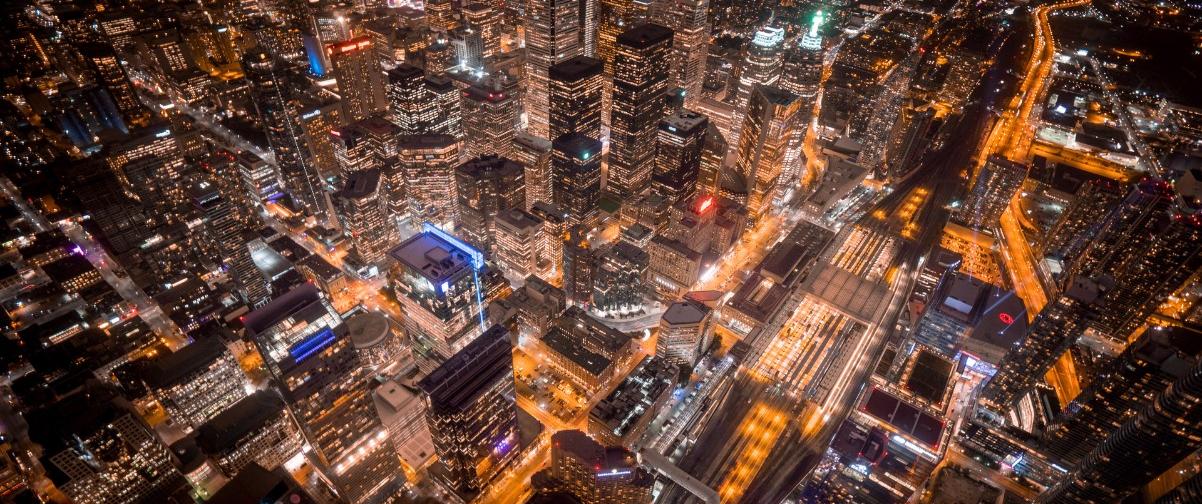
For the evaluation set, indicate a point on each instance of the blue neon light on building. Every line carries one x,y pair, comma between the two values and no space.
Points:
476,259
316,342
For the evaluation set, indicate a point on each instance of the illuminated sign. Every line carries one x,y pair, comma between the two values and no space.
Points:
350,45
614,472
1006,318
705,204
163,134
311,345
311,114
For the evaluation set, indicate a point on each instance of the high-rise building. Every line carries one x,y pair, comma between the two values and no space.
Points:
302,341
150,166
360,78
554,230
713,153
411,105
1145,251
769,124
597,474
576,166
471,413
440,16
619,281
100,450
488,186
534,154
365,144
575,97
220,226
801,71
639,84
680,143
1078,225
374,339
689,21
255,430
442,284
428,164
197,382
102,61
685,330
518,236
484,20
761,65
361,211
552,35
404,415
1152,441
450,109
998,182
1125,386
579,266
278,113
490,118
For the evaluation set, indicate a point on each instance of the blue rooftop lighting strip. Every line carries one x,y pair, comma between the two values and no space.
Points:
311,345
477,257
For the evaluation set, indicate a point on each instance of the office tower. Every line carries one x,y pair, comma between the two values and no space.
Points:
481,18
619,285
104,65
277,110
576,166
257,484
554,230
1154,440
220,228
689,21
912,135
761,65
196,382
640,81
450,111
411,104
679,143
1122,388
575,97
801,72
361,211
534,154
769,124
403,413
441,283
471,413
685,330
318,116
713,153
998,181
440,16
223,170
579,266
314,366
98,450
613,18
260,179
372,143
469,49
552,36
589,13
1080,223
597,474
517,237
255,430
1144,252
360,78
488,186
490,118
150,167
428,164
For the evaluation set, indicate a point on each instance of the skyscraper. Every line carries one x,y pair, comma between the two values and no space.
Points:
575,97
552,36
689,21
761,65
361,210
106,69
488,186
802,68
471,413
576,166
685,331
534,154
197,382
482,18
619,282
769,124
998,182
579,266
278,113
300,337
680,142
428,164
597,474
360,78
640,81
713,153
518,239
490,118
411,106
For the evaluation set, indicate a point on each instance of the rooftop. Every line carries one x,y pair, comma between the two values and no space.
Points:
456,384
169,369
300,298
645,35
222,432
685,312
576,68
432,257
565,344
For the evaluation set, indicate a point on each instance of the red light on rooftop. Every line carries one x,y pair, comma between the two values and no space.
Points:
705,204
